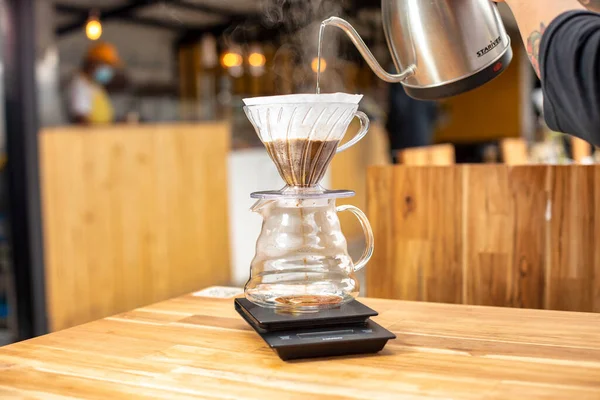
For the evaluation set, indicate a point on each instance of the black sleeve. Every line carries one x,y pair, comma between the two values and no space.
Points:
570,74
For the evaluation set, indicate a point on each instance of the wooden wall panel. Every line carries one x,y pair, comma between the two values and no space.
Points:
444,275
530,194
573,239
381,270
505,219
416,257
506,236
488,256
596,260
132,215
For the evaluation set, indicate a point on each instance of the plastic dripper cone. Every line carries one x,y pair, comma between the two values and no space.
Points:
302,132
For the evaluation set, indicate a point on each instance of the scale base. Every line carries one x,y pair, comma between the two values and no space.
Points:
346,330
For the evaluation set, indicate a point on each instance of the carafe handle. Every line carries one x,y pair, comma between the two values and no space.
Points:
364,127
364,222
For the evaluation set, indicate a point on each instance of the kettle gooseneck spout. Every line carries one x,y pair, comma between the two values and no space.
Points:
366,53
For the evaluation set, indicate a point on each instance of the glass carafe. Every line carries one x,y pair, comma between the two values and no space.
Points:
302,262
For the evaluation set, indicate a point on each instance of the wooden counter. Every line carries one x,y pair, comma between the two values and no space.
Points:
193,347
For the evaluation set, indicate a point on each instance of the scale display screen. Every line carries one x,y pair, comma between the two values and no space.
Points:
326,335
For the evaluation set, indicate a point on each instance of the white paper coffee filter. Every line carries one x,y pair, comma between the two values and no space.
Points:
321,120
343,98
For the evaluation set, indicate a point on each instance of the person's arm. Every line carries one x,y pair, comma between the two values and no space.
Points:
563,43
533,17
593,5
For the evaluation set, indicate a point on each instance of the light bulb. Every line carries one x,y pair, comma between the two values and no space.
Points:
230,60
93,29
256,59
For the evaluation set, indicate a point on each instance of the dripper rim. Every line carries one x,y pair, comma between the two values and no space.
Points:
304,98
302,193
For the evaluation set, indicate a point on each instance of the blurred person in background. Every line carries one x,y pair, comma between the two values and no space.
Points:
562,38
89,102
410,122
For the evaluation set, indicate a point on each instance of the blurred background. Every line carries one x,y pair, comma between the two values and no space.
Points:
126,161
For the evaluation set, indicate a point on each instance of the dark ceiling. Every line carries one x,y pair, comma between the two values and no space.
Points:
191,19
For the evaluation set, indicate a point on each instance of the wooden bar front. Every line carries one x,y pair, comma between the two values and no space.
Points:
525,236
131,216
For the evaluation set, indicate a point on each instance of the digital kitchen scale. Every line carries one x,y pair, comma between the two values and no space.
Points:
338,331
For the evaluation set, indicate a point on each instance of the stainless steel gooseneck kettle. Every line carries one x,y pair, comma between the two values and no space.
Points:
440,47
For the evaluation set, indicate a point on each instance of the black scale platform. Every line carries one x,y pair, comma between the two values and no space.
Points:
338,331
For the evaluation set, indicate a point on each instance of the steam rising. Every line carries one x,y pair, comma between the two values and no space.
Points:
273,11
302,19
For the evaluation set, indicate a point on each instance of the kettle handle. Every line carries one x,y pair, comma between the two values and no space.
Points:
364,128
364,222
366,53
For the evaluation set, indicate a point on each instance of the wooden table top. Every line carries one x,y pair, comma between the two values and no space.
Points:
198,347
